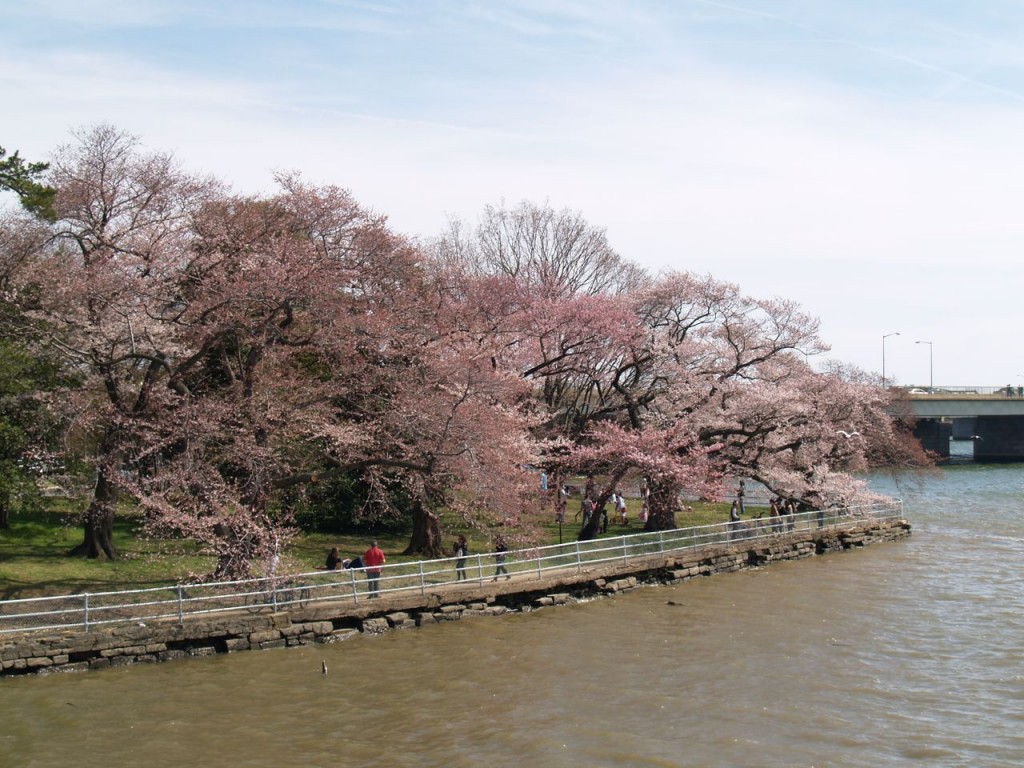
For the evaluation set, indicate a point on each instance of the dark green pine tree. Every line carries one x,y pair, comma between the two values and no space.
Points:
22,179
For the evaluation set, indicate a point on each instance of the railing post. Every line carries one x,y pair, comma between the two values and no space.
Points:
85,610
579,558
423,580
661,542
540,570
480,569
355,588
625,556
181,600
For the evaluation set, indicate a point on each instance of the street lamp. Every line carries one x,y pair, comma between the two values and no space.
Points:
896,333
931,378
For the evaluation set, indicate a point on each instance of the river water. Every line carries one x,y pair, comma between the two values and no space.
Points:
903,654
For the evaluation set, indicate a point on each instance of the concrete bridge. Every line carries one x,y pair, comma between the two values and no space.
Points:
991,417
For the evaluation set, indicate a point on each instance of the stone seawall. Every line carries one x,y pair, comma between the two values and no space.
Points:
72,651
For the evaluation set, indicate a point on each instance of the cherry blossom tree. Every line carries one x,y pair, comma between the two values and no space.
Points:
121,218
234,349
239,346
680,378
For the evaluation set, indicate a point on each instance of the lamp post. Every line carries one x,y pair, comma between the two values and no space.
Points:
886,336
931,378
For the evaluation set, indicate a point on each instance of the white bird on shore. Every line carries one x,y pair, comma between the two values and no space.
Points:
846,434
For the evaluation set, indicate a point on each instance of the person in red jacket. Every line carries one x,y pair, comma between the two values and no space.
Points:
373,558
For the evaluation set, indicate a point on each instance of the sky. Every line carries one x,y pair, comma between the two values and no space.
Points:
862,158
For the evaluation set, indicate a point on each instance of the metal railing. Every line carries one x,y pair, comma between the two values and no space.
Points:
181,602
1008,390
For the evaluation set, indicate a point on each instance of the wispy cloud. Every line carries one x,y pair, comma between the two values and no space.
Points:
849,156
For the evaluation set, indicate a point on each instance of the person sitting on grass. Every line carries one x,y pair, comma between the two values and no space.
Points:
333,559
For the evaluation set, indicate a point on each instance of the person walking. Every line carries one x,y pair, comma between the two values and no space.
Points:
621,509
735,526
500,549
461,552
373,559
776,517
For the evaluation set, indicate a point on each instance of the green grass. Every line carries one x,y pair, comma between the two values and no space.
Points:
34,559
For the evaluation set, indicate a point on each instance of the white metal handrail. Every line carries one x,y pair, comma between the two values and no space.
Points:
183,601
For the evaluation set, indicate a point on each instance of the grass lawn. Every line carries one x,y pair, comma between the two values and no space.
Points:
34,560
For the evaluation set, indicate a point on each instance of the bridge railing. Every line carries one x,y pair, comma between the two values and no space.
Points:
960,389
181,602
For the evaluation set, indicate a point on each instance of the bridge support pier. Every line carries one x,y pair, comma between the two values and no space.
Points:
999,439
934,435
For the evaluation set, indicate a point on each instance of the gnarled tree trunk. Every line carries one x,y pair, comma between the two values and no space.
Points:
98,522
426,533
662,504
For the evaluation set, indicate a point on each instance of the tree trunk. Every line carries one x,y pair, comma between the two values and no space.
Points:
592,527
5,509
662,504
98,522
426,533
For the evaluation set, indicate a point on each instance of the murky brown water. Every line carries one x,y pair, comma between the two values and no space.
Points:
901,654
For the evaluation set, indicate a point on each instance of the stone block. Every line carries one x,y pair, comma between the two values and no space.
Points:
237,644
266,636
375,626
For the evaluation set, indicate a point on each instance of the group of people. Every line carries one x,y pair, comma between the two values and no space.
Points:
460,551
779,509
616,501
371,560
